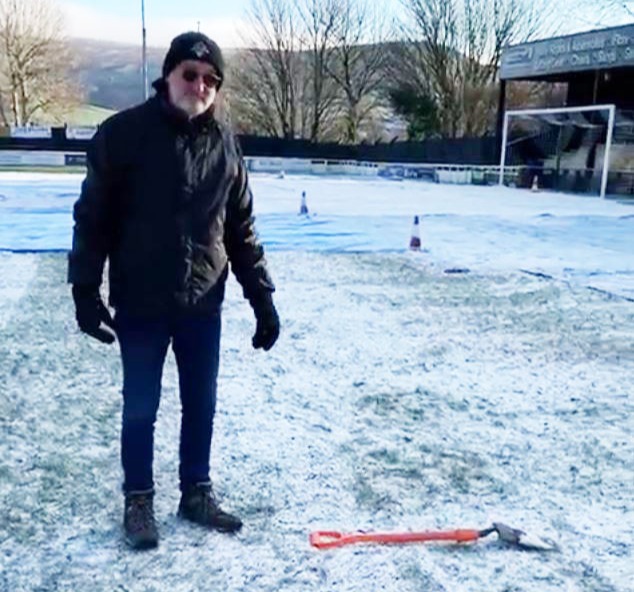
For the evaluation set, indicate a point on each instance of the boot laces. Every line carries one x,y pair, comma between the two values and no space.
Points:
140,513
210,502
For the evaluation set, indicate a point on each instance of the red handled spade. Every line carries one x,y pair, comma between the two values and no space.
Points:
330,539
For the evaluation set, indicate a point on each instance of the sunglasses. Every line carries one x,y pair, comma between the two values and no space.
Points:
209,80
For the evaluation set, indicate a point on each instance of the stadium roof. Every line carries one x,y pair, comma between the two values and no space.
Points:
559,57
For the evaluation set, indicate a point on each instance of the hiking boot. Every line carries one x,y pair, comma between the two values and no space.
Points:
138,521
199,504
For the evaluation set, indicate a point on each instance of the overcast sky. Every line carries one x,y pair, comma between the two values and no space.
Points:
223,20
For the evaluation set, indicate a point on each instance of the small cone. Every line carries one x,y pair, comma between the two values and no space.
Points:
414,242
535,185
303,208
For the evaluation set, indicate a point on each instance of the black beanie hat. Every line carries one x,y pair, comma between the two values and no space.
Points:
194,46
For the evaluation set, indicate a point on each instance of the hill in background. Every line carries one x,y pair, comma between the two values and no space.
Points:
111,73
88,115
111,77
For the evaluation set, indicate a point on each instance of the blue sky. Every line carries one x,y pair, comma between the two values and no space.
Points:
120,20
223,20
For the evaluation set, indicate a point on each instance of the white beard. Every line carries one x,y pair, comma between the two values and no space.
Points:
193,106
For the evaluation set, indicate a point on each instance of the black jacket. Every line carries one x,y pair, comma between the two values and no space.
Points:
167,202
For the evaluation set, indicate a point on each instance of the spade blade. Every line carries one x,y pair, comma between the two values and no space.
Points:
519,538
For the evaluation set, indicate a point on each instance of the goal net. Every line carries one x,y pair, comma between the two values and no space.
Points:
574,149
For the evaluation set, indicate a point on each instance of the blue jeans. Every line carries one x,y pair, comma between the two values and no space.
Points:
144,342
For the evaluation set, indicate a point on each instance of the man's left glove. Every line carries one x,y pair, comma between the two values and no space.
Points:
90,312
268,323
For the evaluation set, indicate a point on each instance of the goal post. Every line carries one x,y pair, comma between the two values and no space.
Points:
559,148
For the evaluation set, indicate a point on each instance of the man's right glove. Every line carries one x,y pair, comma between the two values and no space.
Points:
90,312
268,323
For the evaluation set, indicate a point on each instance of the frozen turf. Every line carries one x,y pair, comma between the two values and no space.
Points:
398,397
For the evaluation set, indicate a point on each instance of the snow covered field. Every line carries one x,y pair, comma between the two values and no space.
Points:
400,397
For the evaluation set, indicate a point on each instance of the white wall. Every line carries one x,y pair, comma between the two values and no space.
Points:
440,173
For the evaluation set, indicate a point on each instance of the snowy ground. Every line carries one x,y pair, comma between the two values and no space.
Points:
399,397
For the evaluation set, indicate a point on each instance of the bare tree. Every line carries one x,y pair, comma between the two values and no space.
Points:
266,88
359,60
320,19
280,85
601,13
533,95
452,50
251,102
34,63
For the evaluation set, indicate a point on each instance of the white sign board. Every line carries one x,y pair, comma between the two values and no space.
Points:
30,131
83,132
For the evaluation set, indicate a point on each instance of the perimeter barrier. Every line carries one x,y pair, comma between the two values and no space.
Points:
467,151
433,160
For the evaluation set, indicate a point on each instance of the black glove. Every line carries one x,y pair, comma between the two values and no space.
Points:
90,312
268,323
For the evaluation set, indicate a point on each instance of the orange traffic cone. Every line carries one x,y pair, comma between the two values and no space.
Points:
303,208
414,242
535,185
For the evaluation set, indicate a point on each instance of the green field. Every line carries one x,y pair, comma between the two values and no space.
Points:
88,115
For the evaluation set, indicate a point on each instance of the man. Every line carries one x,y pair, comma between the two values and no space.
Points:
166,201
